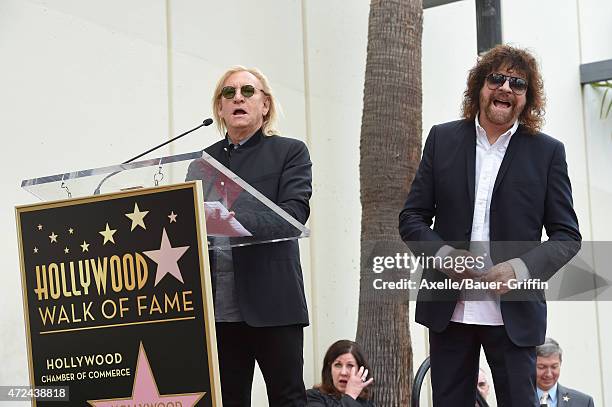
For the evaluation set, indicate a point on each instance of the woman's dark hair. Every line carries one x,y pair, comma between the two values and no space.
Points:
336,349
532,116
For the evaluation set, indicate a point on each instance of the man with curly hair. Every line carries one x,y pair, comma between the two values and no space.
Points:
492,181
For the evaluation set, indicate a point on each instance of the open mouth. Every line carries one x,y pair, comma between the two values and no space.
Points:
502,104
239,112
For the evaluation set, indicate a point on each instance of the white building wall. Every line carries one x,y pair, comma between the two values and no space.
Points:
336,38
86,84
82,86
562,35
596,45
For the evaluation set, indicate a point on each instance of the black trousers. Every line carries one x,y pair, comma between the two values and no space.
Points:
455,354
278,352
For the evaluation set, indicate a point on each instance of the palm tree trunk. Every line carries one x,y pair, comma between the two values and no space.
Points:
390,147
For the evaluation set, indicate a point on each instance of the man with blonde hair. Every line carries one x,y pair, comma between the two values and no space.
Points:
260,306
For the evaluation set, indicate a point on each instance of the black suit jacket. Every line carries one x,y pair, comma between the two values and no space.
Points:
268,277
532,190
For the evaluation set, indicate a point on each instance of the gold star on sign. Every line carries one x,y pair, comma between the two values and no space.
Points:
53,237
71,231
137,217
66,250
39,226
35,249
108,235
172,217
85,246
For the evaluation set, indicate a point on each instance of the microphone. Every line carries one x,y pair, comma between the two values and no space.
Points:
206,122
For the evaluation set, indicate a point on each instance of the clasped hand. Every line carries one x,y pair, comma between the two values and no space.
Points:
502,273
457,270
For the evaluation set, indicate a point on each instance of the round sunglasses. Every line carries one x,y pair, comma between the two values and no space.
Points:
497,80
247,91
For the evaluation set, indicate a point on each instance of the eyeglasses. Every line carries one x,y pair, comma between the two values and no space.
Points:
247,91
497,80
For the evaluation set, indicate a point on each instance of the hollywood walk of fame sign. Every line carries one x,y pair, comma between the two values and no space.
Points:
117,298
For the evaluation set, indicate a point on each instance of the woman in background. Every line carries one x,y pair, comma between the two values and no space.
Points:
344,378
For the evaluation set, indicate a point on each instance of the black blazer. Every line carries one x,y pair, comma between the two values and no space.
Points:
532,190
268,277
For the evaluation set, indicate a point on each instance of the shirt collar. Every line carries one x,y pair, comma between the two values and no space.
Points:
229,142
552,393
503,140
243,142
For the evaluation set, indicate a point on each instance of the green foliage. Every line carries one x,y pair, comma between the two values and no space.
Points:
607,85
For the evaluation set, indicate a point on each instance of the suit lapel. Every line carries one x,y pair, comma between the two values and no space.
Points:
562,396
514,145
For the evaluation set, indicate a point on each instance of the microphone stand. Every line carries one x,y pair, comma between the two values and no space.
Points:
206,122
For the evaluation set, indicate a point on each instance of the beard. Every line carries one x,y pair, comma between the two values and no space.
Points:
500,116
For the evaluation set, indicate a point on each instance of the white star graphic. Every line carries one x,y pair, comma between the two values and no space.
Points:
166,258
39,226
137,217
108,235
71,231
566,398
53,237
66,250
35,249
172,217
85,246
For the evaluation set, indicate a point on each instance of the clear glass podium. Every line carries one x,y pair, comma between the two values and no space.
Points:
236,213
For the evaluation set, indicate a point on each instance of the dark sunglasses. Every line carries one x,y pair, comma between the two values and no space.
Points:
497,80
247,91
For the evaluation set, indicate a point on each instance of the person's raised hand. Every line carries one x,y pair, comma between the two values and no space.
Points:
358,380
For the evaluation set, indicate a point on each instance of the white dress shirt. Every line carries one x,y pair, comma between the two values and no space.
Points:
482,308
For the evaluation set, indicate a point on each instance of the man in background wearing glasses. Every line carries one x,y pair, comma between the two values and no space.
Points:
492,181
260,306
